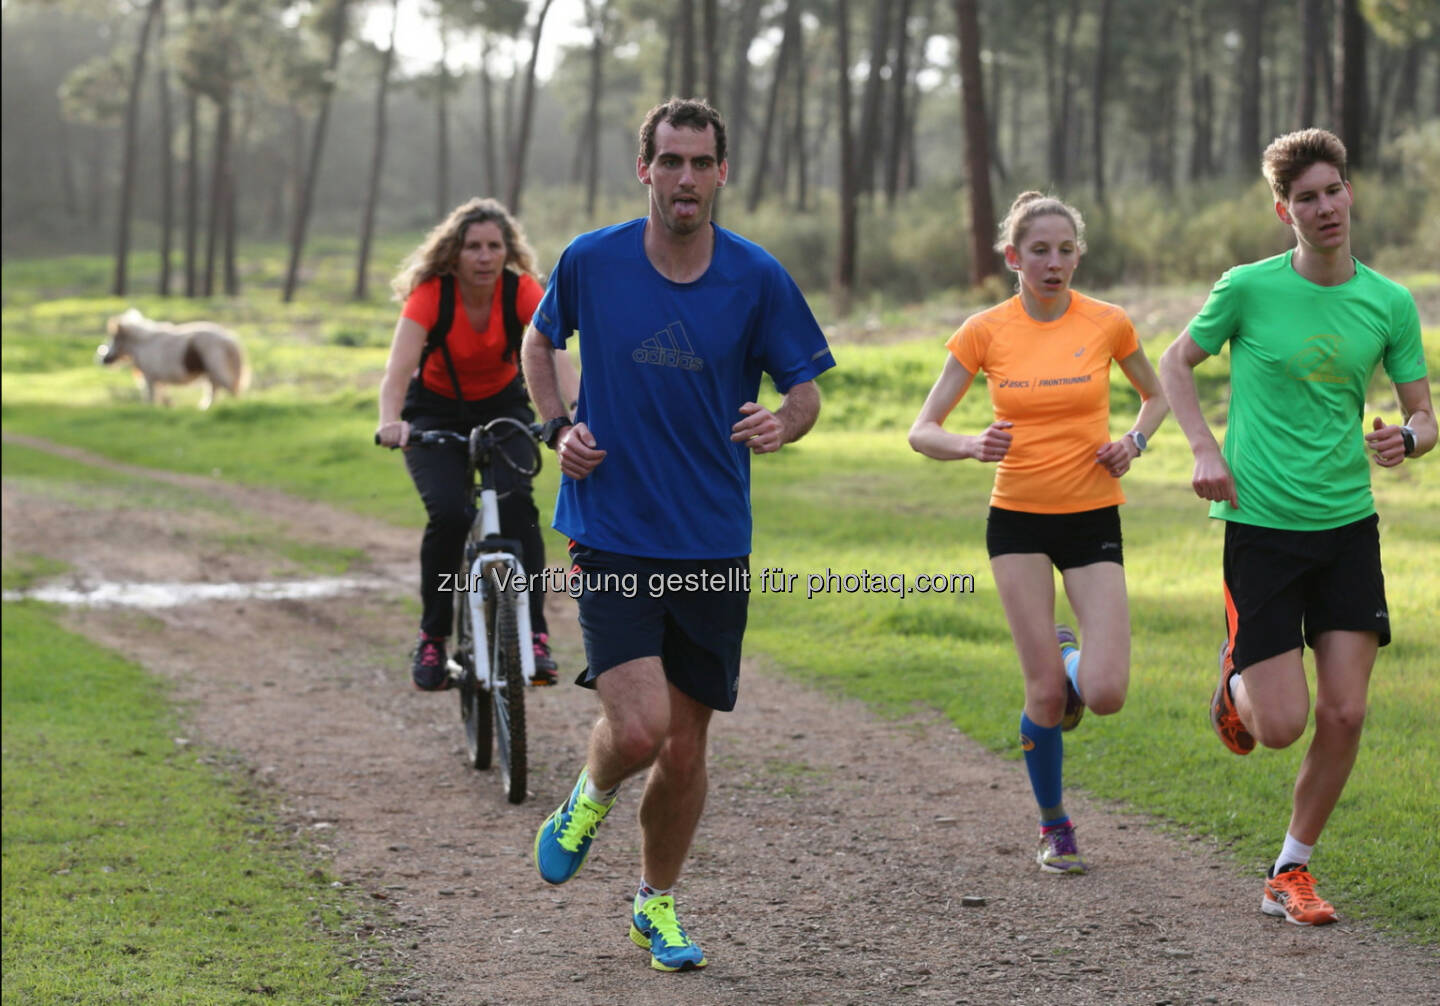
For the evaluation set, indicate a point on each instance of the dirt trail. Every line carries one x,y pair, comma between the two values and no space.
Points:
830,866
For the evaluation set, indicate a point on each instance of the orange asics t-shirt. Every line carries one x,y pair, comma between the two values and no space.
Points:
1052,380
479,356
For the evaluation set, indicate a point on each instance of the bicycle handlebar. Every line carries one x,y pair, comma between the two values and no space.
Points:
430,438
481,441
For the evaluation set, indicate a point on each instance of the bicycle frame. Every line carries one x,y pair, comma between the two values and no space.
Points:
485,571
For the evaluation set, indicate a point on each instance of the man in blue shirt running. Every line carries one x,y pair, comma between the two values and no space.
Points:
678,318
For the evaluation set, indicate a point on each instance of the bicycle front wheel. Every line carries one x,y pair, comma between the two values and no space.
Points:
474,700
509,694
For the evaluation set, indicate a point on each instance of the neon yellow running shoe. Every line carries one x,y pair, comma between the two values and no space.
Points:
563,841
655,928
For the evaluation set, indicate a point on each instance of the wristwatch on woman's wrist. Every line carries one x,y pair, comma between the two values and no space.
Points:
1138,439
552,429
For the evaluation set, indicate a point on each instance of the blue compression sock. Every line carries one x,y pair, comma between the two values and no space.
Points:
1044,752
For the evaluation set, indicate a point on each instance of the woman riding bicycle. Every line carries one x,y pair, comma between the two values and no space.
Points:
476,267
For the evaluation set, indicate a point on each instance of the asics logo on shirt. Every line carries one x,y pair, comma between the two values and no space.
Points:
669,347
1045,382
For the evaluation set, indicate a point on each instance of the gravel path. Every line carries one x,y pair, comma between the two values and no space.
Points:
837,861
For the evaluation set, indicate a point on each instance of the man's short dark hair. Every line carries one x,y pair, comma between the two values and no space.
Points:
692,113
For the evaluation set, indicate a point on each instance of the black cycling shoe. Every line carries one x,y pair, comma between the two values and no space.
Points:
428,668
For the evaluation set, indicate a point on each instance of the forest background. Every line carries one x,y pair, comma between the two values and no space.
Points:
175,133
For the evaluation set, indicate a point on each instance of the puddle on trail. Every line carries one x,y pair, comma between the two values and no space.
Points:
170,595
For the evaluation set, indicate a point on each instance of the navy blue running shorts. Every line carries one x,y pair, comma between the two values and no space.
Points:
1282,587
688,612
1069,539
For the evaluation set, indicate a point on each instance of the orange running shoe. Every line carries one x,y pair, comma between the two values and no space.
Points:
1223,716
1290,894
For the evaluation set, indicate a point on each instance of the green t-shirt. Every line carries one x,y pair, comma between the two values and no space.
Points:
1301,356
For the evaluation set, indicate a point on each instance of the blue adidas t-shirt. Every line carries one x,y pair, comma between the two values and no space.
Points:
665,368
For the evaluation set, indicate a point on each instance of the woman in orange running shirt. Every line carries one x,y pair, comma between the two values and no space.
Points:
1046,354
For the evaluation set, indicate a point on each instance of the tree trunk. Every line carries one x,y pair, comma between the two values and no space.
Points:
977,142
231,271
1162,139
1060,100
1407,89
686,13
910,172
219,193
442,128
802,166
845,250
1247,146
527,111
1052,89
487,118
317,146
507,113
1384,120
710,29
736,115
377,160
598,16
868,139
1350,70
1312,34
167,163
127,171
899,84
1202,160
1097,120
192,178
672,49
777,79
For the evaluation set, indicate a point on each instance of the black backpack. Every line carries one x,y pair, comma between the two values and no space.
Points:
435,338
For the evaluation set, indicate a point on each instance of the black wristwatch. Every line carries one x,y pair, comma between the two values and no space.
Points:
552,428
1408,435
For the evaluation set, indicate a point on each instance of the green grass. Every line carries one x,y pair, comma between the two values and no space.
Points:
138,869
852,496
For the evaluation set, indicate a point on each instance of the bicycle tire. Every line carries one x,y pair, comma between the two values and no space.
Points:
474,701
509,700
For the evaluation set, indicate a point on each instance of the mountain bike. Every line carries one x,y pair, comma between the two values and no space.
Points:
492,667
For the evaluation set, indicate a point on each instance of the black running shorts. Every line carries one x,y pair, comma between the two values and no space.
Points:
1069,539
1285,587
688,612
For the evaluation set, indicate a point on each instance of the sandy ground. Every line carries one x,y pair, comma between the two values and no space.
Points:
833,864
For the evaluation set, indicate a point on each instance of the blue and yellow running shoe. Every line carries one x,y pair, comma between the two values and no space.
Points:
655,928
563,841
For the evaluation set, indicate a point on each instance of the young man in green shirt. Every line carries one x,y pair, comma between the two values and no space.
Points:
1302,550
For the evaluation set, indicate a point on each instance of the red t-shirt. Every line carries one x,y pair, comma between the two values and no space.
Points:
479,356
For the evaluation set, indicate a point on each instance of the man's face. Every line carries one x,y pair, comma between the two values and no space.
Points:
683,177
1318,209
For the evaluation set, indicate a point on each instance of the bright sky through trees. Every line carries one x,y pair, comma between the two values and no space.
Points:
417,41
